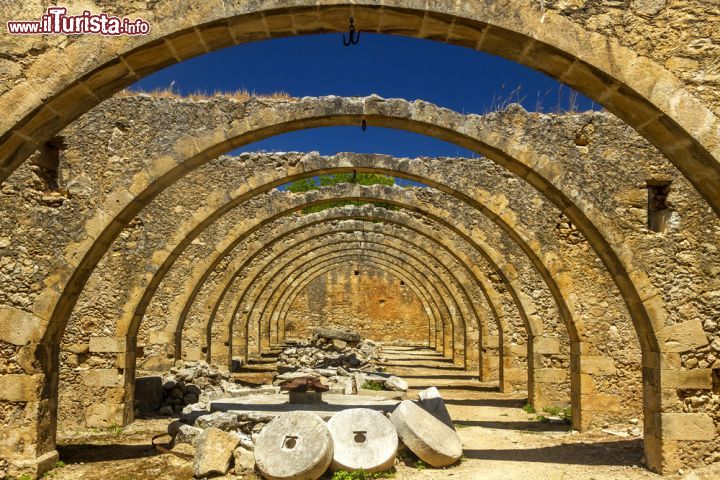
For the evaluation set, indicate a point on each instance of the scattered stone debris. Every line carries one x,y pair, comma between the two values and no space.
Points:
190,385
340,359
298,443
330,348
213,452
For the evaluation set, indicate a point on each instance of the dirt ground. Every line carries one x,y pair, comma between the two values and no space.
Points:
501,440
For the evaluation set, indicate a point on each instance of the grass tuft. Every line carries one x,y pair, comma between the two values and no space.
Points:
241,95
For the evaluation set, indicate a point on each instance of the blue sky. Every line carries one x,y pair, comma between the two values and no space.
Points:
454,77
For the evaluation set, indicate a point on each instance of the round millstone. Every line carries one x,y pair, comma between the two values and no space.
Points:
430,439
296,445
363,439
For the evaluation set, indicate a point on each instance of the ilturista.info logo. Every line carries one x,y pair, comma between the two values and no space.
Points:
57,21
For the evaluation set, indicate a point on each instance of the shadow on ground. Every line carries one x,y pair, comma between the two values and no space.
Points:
622,453
522,426
102,453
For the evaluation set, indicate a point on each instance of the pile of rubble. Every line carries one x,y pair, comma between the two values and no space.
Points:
340,359
302,444
329,348
188,383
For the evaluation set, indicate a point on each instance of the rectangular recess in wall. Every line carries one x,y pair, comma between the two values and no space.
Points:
658,209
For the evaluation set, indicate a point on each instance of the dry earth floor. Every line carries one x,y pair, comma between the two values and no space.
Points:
500,439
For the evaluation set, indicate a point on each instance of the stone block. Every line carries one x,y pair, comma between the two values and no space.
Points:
682,336
600,402
363,439
34,467
587,384
244,461
108,344
193,354
687,426
161,338
187,434
597,365
149,393
236,391
515,375
213,453
698,378
20,387
104,415
18,327
102,377
550,375
396,384
294,445
221,420
427,437
546,346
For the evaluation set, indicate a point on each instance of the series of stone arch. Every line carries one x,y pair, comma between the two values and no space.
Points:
524,304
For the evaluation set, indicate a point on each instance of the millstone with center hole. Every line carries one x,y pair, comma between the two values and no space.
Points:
430,439
296,445
363,439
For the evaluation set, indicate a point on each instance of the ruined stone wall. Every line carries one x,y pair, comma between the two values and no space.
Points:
598,162
681,35
373,302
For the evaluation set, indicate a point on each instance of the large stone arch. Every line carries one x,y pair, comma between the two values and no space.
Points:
300,225
279,201
449,288
633,85
496,258
455,327
141,284
649,293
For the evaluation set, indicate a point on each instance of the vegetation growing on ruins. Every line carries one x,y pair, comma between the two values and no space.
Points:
315,183
361,475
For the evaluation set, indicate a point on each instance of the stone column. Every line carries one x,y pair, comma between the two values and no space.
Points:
112,384
448,331
28,397
515,368
549,385
681,424
588,404
490,367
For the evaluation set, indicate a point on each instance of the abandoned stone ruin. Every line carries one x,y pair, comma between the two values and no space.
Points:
547,307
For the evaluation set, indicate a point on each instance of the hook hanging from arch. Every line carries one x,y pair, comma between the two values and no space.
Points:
353,34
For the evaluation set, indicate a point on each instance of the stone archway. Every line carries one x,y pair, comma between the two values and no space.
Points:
632,84
574,215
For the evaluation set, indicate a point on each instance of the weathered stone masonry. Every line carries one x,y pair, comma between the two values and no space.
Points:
370,295
544,256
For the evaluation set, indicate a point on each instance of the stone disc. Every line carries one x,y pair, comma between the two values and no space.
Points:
430,439
295,445
363,439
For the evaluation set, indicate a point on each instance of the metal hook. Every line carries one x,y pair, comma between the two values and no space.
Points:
354,36
364,125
